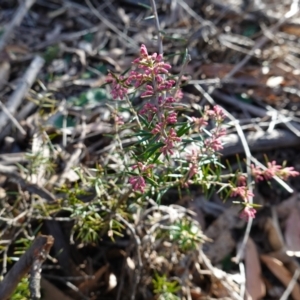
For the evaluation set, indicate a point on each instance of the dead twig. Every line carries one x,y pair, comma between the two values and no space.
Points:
91,283
260,141
17,96
260,112
291,285
159,39
62,250
128,41
16,21
263,40
12,175
220,275
36,253
22,114
52,292
138,254
74,159
12,118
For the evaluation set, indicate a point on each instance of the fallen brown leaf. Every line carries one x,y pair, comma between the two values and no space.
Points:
254,283
274,236
52,292
284,208
90,284
4,69
278,269
292,231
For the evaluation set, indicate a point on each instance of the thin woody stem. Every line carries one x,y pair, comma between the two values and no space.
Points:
157,25
160,51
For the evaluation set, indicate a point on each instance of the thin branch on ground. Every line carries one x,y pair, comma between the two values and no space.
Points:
138,253
38,251
20,92
12,118
259,141
291,285
263,40
157,25
11,173
128,41
15,22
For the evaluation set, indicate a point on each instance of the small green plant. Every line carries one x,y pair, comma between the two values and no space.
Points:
164,289
186,234
22,291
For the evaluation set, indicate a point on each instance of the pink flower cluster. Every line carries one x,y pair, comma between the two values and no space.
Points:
193,167
210,145
217,114
151,75
259,174
119,86
138,182
150,78
213,143
169,141
118,120
273,170
248,213
242,191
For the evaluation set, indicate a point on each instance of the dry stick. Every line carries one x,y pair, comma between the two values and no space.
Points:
220,275
62,250
160,51
291,285
37,252
16,21
138,253
192,13
292,126
75,157
293,11
259,141
70,36
259,112
12,118
17,96
12,174
129,41
24,112
243,281
35,275
90,284
159,39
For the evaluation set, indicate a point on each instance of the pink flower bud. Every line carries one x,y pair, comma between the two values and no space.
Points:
248,213
143,51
